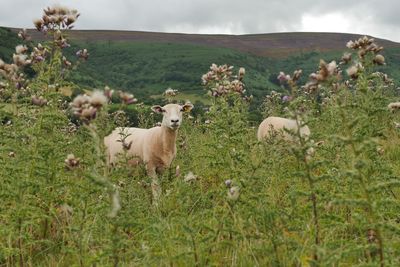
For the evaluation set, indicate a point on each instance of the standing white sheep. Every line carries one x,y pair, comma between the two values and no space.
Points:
156,147
278,124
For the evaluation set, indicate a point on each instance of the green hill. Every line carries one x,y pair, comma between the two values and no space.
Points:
148,63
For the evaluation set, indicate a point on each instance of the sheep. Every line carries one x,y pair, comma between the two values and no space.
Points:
276,124
156,147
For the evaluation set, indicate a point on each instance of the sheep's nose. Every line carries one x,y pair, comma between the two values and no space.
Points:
175,121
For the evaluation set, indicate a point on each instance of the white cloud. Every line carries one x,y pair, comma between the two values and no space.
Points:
331,22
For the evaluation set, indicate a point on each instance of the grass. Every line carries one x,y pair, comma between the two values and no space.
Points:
252,203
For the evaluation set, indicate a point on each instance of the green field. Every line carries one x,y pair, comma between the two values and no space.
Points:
227,199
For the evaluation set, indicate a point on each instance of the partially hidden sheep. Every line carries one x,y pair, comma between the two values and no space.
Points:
155,147
276,125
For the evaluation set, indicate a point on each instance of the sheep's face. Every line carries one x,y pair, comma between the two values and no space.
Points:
172,114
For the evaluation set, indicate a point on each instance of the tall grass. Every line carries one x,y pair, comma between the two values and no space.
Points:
250,203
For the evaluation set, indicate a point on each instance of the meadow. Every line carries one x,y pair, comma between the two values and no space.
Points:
228,199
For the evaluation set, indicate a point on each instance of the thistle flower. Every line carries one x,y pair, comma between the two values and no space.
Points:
66,62
86,107
379,60
87,114
62,43
127,98
297,74
286,98
394,106
108,92
241,73
21,49
228,183
83,54
98,99
80,100
346,58
71,162
282,77
233,193
38,101
23,34
21,60
352,72
38,24
220,82
170,92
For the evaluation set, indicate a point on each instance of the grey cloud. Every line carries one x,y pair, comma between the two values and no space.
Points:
373,17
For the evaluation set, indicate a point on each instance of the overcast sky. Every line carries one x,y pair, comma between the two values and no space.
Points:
379,18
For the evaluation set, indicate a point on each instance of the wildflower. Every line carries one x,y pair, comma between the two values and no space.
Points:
350,44
346,58
23,34
380,150
21,49
379,60
353,72
79,101
21,60
83,54
394,106
38,101
38,24
282,77
241,73
297,74
66,62
71,162
177,171
286,98
108,92
62,43
228,183
98,99
127,98
233,193
170,92
190,177
86,107
88,114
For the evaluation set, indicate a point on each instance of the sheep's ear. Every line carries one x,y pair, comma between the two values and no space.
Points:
187,107
157,109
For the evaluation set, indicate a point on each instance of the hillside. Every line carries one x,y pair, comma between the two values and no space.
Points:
147,63
276,45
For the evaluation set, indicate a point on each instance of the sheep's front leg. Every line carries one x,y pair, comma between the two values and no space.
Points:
155,184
